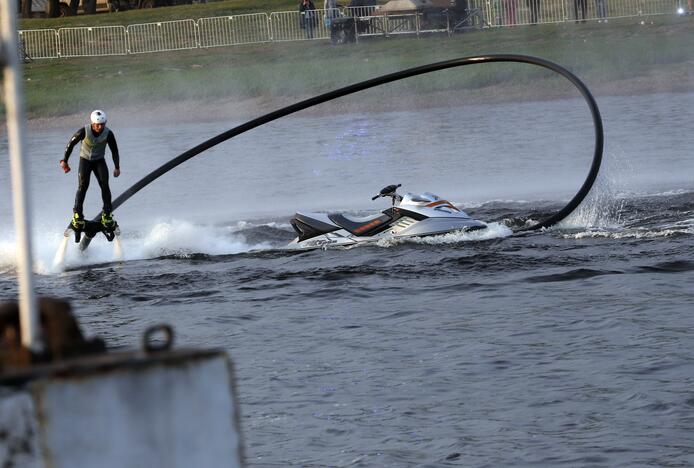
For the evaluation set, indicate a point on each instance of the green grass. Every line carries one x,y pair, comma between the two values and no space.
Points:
600,55
204,10
212,9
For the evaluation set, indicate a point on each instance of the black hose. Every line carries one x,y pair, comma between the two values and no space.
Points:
459,62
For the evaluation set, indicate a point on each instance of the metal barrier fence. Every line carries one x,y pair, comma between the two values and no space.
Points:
295,26
521,12
86,42
163,36
388,25
315,25
39,43
433,23
233,30
359,11
525,12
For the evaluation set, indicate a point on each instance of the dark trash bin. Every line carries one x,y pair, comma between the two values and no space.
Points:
342,30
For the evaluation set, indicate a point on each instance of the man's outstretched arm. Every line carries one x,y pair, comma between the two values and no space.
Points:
76,138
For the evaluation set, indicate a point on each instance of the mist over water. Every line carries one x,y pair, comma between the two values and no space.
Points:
472,154
566,347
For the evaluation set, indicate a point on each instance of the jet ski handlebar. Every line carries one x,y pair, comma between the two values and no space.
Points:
388,191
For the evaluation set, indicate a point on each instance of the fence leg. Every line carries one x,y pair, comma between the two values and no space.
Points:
267,29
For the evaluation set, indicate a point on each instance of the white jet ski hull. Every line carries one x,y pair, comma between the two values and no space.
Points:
410,216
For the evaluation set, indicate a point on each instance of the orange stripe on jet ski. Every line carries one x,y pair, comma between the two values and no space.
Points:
442,202
366,227
437,203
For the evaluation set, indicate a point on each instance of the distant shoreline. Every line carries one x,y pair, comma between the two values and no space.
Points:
242,109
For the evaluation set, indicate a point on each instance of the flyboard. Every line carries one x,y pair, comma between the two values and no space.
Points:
83,237
90,230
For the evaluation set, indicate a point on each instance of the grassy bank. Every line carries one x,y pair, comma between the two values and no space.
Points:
203,10
621,57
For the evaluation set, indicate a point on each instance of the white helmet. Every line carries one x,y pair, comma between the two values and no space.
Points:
98,117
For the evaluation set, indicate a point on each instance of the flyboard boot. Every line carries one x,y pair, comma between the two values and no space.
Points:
109,226
77,226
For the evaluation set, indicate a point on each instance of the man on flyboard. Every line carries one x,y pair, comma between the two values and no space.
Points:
94,138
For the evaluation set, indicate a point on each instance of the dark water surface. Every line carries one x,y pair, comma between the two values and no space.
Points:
569,347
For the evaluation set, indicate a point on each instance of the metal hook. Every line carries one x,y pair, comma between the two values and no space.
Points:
152,346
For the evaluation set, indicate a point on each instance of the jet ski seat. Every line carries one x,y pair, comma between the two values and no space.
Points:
362,226
307,227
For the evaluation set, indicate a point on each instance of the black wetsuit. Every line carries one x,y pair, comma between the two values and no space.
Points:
98,167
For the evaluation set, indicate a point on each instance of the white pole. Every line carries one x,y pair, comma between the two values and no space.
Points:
28,316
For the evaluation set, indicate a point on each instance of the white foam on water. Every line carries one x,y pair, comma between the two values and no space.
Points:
601,213
681,227
668,193
183,238
243,225
493,231
170,237
42,255
603,206
628,234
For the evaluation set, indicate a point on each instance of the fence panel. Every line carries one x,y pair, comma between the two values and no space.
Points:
401,24
233,30
518,12
387,25
548,11
39,43
295,26
163,36
524,12
626,8
91,42
434,22
360,11
371,26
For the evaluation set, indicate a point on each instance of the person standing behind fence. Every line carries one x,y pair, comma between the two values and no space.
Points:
330,7
509,7
307,11
331,11
582,5
534,6
601,10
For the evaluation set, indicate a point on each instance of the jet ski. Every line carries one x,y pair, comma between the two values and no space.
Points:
411,215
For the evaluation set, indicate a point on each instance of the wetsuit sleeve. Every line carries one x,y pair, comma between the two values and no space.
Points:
113,146
77,137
